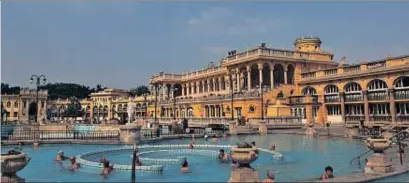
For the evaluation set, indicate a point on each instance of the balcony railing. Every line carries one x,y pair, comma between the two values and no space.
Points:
355,68
402,118
378,95
297,100
332,98
353,97
278,120
376,65
401,94
244,95
350,118
380,118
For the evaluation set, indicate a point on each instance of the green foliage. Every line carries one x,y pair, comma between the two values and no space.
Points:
74,108
6,89
139,91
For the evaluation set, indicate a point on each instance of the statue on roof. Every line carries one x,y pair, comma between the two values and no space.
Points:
343,61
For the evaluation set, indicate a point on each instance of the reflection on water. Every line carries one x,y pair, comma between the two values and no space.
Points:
304,157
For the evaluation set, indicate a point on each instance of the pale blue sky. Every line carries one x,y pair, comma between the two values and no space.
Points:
121,44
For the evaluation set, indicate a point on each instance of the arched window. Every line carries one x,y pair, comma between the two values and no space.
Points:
353,88
402,88
309,91
8,104
190,112
278,74
331,89
331,94
16,104
377,84
290,74
402,82
119,107
353,92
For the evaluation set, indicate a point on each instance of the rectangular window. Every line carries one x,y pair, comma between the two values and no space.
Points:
15,114
333,110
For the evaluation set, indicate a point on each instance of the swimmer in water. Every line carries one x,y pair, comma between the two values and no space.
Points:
223,156
107,169
191,144
270,177
138,161
205,137
60,156
185,167
273,147
74,164
215,138
328,173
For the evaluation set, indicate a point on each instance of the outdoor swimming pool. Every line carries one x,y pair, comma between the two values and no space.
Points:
304,158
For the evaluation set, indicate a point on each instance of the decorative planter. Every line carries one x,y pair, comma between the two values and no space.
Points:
379,162
11,164
243,157
378,145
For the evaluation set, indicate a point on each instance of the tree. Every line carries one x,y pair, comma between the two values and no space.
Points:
139,91
6,89
74,108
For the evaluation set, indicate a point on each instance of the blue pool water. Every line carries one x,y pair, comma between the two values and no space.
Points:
304,158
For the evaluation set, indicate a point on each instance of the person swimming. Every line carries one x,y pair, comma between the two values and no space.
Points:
253,144
273,147
223,156
138,161
60,156
74,164
107,169
205,137
185,167
191,144
270,177
328,173
215,138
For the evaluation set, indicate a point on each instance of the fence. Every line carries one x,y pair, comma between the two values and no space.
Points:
22,135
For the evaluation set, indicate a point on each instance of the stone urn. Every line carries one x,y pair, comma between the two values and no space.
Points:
310,129
243,155
11,163
379,162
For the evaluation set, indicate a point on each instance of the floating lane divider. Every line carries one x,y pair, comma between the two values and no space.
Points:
176,148
276,155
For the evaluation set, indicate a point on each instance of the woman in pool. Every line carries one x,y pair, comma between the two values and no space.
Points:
107,169
74,164
273,147
270,177
60,156
185,167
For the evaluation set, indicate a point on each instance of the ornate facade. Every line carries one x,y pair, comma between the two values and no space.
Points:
248,84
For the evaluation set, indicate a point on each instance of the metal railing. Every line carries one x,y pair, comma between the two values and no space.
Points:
21,135
380,118
280,120
354,118
354,97
378,95
332,98
401,94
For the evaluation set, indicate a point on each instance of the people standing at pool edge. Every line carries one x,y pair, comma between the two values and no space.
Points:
328,173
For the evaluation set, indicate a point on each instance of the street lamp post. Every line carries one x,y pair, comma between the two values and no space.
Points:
156,87
145,95
38,83
174,89
262,88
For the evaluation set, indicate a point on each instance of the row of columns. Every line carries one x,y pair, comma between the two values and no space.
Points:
213,111
216,84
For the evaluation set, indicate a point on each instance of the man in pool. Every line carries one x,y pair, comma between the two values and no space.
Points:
185,167
205,137
60,156
104,160
138,161
328,173
74,164
270,177
223,156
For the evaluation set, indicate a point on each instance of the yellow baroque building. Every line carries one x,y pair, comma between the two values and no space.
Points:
261,82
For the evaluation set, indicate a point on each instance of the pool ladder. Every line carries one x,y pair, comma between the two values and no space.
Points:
404,132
